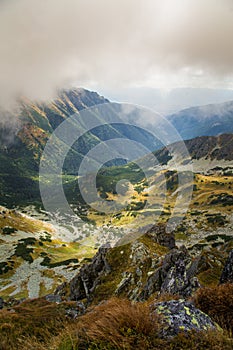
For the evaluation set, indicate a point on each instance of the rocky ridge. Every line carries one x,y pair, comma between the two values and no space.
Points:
144,268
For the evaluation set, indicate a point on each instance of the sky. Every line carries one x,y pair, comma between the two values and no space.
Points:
109,45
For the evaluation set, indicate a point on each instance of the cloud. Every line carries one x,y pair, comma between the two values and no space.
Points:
49,44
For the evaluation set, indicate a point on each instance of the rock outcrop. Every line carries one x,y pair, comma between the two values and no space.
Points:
83,285
227,273
135,271
180,315
159,235
175,276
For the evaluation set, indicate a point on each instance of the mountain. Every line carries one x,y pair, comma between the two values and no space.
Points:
169,101
213,119
56,267
34,243
206,154
22,144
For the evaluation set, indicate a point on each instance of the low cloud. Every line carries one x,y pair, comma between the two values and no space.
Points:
50,44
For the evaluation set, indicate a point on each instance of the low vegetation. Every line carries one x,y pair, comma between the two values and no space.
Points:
113,324
217,302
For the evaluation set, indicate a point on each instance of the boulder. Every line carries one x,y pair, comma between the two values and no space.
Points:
181,316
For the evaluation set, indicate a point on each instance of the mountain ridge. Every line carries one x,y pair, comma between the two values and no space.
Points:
207,120
19,159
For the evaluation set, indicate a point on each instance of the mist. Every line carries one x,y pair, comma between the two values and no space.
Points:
52,44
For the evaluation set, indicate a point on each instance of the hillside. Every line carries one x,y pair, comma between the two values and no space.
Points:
153,199
207,120
22,142
57,250
206,225
111,276
23,138
207,153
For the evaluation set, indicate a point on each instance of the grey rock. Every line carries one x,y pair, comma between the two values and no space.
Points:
61,290
159,235
181,316
84,284
175,276
139,253
75,312
227,273
126,280
53,298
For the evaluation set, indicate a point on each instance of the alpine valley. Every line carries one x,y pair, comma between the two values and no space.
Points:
93,255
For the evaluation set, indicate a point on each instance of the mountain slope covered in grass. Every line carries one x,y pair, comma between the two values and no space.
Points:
21,148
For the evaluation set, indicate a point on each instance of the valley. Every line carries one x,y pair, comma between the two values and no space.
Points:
169,231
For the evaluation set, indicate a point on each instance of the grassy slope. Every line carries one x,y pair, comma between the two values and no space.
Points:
24,240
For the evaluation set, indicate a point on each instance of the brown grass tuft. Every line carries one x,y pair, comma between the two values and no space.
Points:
217,302
120,323
116,324
34,319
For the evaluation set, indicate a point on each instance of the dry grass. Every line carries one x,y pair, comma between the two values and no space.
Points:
217,302
35,319
113,325
120,323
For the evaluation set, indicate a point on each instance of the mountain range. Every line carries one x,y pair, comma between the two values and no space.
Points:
21,149
209,120
21,145
128,253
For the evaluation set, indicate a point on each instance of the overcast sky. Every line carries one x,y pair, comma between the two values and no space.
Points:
49,44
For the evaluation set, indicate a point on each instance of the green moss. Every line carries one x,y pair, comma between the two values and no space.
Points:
210,277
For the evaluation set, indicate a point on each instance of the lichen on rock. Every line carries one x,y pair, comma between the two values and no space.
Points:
179,316
175,276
